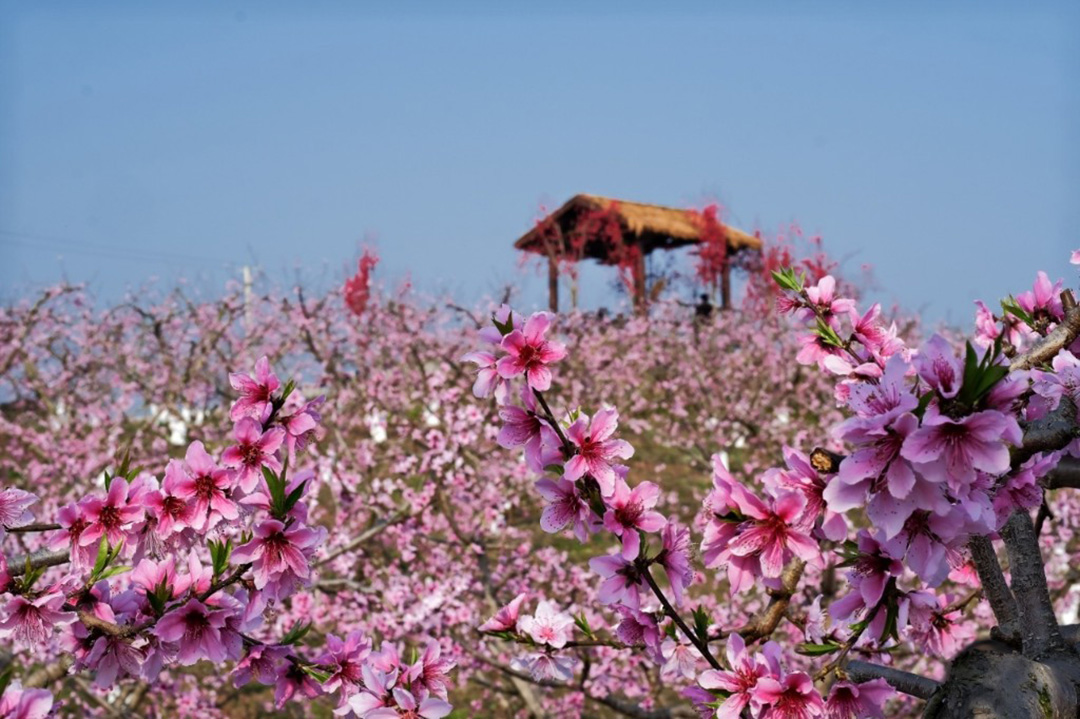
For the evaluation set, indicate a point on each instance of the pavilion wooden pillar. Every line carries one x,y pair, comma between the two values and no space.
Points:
553,283
640,300
725,285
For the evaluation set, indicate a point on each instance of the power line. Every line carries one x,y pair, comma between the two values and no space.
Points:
65,245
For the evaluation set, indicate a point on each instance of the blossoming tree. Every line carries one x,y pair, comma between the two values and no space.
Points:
950,458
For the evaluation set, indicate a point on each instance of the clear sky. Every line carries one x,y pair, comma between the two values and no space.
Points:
184,139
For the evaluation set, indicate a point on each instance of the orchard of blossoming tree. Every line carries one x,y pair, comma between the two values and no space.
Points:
291,505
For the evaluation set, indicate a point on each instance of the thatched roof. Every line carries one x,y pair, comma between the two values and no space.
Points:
651,227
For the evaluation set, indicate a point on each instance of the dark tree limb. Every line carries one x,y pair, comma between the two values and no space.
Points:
1039,631
906,682
996,590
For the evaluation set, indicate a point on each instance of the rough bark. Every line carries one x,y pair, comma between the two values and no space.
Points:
991,680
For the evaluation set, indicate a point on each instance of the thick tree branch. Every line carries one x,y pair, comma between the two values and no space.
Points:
1039,632
906,682
996,590
1065,475
39,559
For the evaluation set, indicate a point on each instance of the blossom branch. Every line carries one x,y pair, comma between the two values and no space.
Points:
769,618
1061,337
702,648
906,682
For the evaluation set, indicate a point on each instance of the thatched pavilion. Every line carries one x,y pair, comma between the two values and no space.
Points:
621,233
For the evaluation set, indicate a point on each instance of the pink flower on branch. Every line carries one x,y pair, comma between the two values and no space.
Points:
196,630
207,487
13,508
548,625
529,353
632,511
279,554
31,621
506,619
254,450
112,517
256,392
596,450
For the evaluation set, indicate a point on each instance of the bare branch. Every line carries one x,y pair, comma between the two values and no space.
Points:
906,682
1001,598
1039,632
1061,337
38,559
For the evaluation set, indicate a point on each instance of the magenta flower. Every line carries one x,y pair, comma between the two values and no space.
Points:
279,554
773,535
530,354
431,672
292,680
345,657
261,663
741,681
858,701
1021,489
1051,387
794,697
951,450
206,487
172,513
869,575
13,508
675,559
376,696
72,521
410,707
548,625
255,392
596,451
622,580
545,667
19,703
301,427
823,297
632,511
31,622
488,382
114,658
112,517
197,630
939,367
800,476
680,659
506,619
565,506
637,627
254,450
1043,300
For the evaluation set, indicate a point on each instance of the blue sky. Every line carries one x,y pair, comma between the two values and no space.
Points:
186,140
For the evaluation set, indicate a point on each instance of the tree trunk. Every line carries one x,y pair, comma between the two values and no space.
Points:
992,680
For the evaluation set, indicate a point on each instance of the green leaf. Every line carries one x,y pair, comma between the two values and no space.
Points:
582,623
316,674
810,649
554,469
296,633
295,496
701,624
113,571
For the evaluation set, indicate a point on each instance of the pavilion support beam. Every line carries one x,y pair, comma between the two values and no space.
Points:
553,283
641,301
725,285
